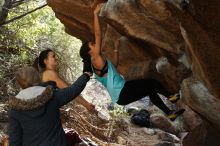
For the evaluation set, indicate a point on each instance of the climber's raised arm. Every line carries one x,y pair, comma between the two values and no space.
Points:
97,30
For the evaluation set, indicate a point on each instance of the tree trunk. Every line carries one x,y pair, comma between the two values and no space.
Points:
4,11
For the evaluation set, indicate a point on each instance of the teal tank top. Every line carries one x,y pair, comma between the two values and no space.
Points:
113,82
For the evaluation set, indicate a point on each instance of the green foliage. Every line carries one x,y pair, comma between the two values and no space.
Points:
118,111
22,40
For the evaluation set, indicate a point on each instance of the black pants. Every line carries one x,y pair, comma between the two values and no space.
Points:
136,89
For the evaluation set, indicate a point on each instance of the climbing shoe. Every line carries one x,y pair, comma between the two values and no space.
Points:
174,114
174,98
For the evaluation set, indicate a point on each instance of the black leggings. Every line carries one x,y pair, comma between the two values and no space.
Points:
136,89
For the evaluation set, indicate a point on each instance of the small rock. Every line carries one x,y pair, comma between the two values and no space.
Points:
164,136
149,131
183,134
121,140
163,123
131,110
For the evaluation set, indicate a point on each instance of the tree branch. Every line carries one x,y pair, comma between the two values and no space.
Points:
4,13
23,15
18,3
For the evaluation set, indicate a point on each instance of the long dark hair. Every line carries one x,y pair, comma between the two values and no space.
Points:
84,50
39,61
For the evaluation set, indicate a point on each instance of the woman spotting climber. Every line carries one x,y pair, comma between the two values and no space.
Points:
47,64
34,116
123,92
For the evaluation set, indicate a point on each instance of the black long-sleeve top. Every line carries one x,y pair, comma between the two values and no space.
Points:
36,121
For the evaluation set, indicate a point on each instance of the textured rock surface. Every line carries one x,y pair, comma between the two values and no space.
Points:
185,31
168,137
197,96
191,118
157,28
203,135
162,122
202,40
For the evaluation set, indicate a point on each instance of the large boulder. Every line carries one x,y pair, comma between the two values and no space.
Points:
201,38
197,96
186,32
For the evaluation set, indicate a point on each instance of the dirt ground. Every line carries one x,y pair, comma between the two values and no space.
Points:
116,131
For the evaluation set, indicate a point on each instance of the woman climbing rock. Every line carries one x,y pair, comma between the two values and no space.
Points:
123,92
